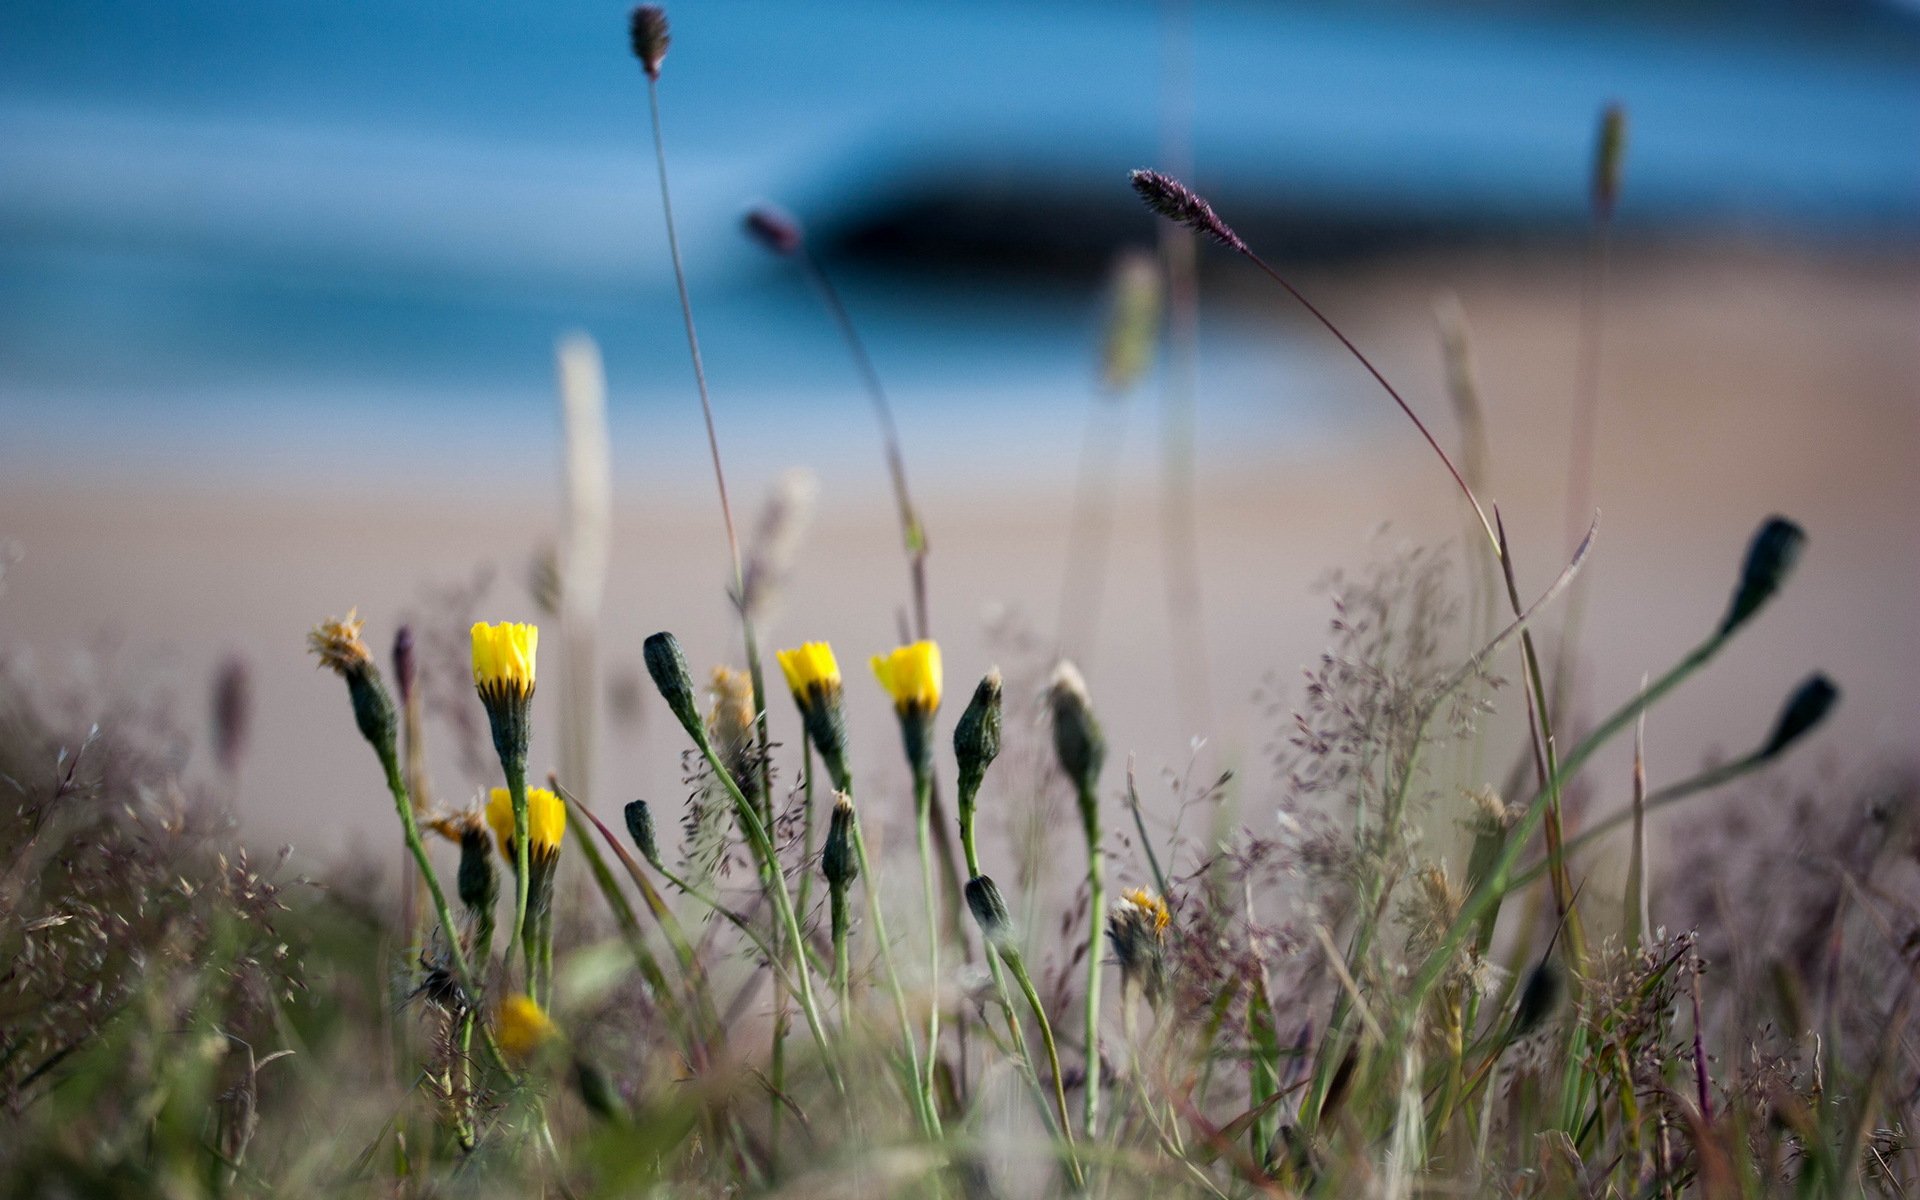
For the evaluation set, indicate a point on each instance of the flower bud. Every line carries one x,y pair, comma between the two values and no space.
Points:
648,30
1077,739
668,666
478,882
1770,559
232,713
640,829
1806,708
976,738
406,666
839,861
989,909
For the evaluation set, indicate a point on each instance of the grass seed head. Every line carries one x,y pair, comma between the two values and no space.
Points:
648,30
1177,203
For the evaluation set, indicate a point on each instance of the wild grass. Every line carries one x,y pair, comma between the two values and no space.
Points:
1376,960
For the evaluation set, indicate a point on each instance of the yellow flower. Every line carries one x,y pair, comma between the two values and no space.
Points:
523,1026
911,675
546,821
338,643
1149,906
808,667
503,657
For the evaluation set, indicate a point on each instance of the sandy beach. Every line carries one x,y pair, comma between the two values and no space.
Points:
1737,384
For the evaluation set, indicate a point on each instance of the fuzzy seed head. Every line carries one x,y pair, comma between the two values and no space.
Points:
648,30
1177,203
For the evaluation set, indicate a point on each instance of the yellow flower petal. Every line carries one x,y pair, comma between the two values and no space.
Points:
503,655
546,821
809,666
523,1026
911,675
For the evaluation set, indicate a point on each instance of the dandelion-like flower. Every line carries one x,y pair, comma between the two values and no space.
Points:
546,822
337,642
731,724
813,675
523,1027
503,657
911,675
1137,927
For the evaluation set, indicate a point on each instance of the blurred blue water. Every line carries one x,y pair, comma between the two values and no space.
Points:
220,222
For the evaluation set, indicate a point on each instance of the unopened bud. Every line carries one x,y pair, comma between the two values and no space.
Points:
1806,708
1770,559
668,666
989,909
640,829
478,883
1077,739
839,861
648,29
406,666
976,738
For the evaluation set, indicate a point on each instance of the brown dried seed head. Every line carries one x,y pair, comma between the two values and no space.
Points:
650,37
1176,202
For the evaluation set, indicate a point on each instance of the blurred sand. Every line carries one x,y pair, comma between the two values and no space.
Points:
1738,383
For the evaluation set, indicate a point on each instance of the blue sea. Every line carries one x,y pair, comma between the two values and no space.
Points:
236,236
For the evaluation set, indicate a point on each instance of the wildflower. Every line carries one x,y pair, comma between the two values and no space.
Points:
989,909
546,822
911,675
503,657
668,666
1137,928
1770,559
523,1027
813,675
338,645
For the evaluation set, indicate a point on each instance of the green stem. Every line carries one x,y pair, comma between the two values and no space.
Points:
517,790
1096,906
762,846
468,980
1018,966
929,1119
837,905
922,833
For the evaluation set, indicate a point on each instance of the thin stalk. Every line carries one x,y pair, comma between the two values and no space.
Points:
842,972
517,791
770,864
1018,966
922,833
411,830
1097,906
762,845
929,1119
